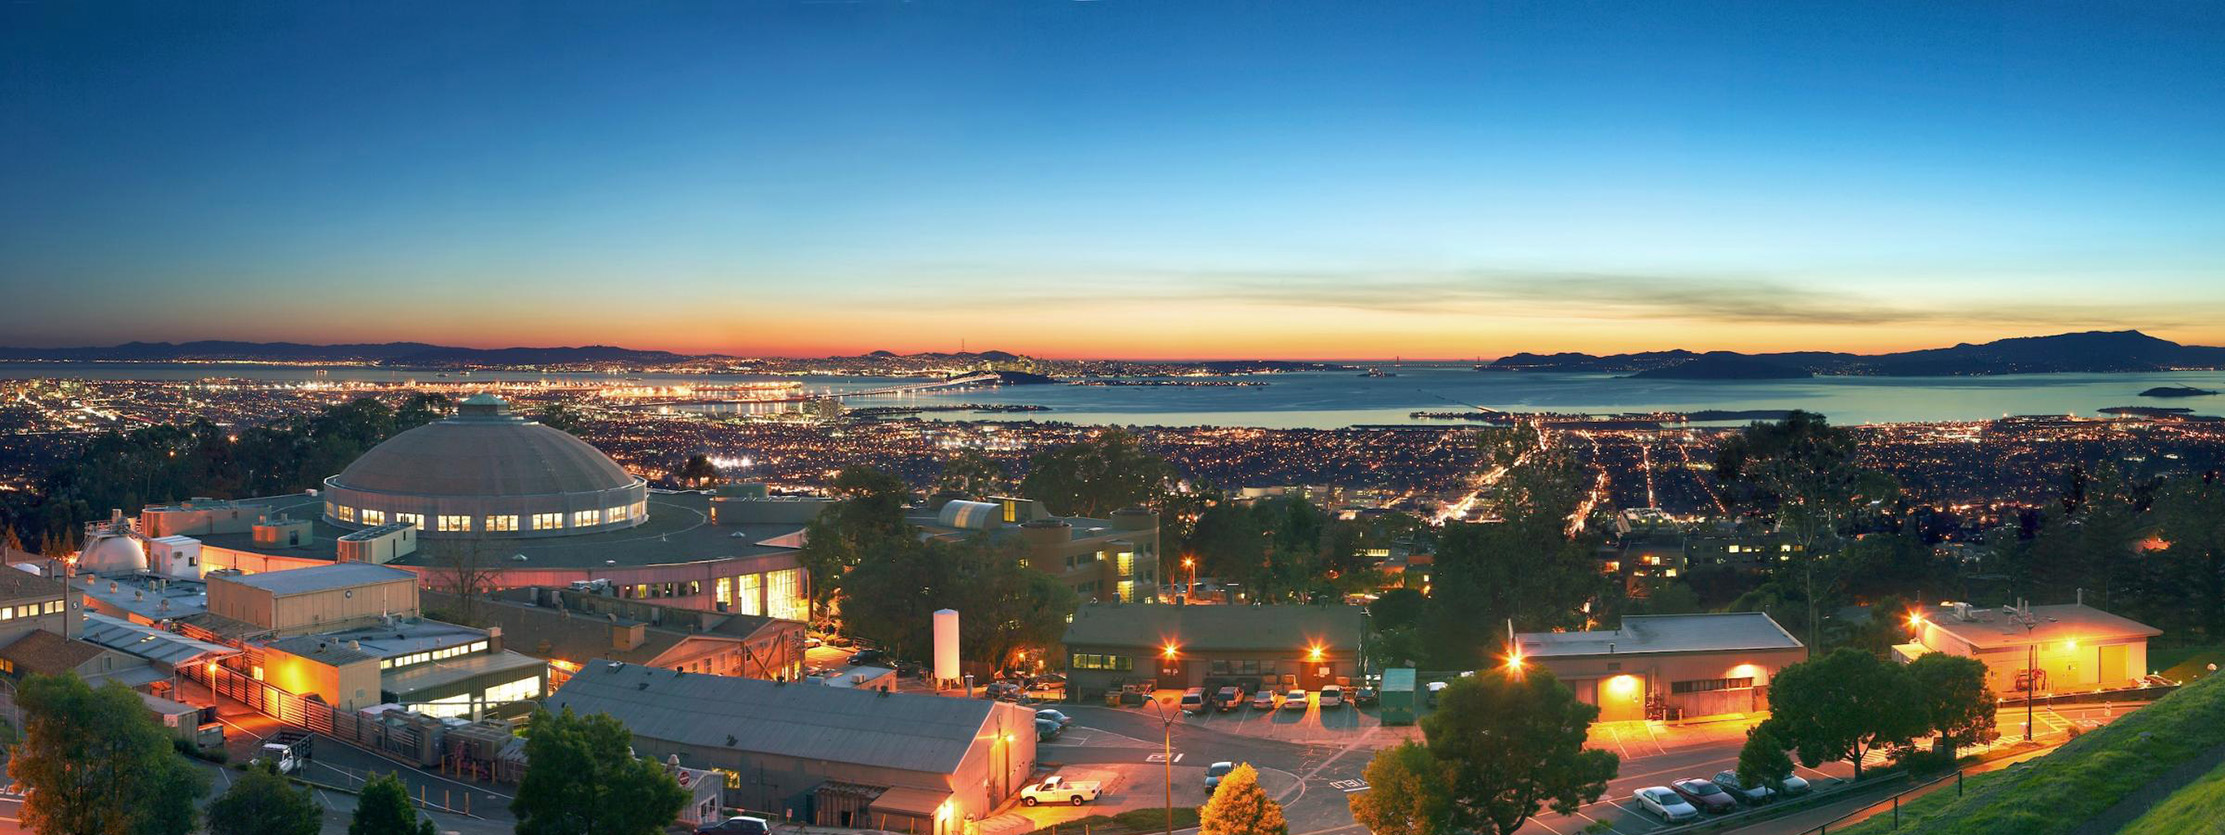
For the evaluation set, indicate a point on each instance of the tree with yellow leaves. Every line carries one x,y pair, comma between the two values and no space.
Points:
1240,807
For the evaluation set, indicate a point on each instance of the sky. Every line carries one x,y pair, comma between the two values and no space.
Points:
1114,178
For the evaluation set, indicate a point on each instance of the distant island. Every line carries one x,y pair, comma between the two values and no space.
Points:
2146,411
2089,352
1724,365
2176,391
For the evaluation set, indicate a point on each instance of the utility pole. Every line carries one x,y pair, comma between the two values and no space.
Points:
1167,757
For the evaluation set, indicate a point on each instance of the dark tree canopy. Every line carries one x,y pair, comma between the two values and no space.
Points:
1500,747
1842,706
262,802
1004,606
1097,476
383,808
581,778
95,763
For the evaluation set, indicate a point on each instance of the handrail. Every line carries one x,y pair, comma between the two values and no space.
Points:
1895,799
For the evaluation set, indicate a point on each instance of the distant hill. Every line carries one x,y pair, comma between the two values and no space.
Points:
1724,365
2091,351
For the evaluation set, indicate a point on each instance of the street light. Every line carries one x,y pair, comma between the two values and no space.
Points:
1166,723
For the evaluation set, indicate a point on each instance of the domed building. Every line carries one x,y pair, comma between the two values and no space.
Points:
521,504
486,473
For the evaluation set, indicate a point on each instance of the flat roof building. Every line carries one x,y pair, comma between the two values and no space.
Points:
865,759
569,628
1668,666
2060,648
1109,645
1112,559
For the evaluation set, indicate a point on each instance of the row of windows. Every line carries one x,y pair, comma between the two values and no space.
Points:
1709,685
460,705
30,610
461,523
432,655
1097,661
1225,667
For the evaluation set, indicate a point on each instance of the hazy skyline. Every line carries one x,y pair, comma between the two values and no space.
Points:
1114,178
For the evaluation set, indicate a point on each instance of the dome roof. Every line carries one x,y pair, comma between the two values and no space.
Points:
483,451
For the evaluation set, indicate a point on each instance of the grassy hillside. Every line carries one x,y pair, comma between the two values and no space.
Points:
2055,793
2200,807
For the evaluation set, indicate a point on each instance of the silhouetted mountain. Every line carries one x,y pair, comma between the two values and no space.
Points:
1724,365
2091,351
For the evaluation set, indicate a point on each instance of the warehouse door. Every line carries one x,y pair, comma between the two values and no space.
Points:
2112,664
1622,698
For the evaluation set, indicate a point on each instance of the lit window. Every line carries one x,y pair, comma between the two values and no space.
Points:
751,597
453,524
784,594
586,518
548,521
343,513
373,517
502,523
616,514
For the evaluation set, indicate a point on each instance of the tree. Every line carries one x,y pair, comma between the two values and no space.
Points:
973,473
891,598
1802,470
1952,698
1843,706
581,778
1397,609
1508,744
561,417
1240,807
867,517
463,568
698,471
1407,793
1763,762
383,808
94,762
262,802
1096,476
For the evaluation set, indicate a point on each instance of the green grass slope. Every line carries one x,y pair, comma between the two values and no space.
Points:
2198,808
2057,792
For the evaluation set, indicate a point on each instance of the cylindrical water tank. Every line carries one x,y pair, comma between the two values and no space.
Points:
946,645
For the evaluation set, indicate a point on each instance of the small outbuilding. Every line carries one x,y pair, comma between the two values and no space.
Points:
1668,666
1108,645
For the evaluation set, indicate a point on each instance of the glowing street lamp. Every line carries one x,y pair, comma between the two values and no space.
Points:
1313,652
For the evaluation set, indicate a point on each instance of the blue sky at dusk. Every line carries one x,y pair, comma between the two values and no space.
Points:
1113,178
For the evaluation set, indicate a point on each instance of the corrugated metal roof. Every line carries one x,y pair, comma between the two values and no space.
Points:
1716,632
903,731
320,578
1213,628
152,644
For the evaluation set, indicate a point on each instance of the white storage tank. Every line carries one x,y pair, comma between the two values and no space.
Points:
946,645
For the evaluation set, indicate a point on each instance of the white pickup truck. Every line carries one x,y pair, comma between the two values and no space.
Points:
1056,789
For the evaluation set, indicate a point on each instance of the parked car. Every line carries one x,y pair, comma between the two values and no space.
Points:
1294,700
868,657
1332,696
1047,729
1227,699
738,825
1193,701
288,751
1704,795
1749,795
1366,696
1263,700
1794,785
1214,773
1434,688
1664,803
1003,691
813,642
1062,719
1056,789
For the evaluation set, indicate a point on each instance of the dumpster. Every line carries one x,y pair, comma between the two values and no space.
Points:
1398,696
